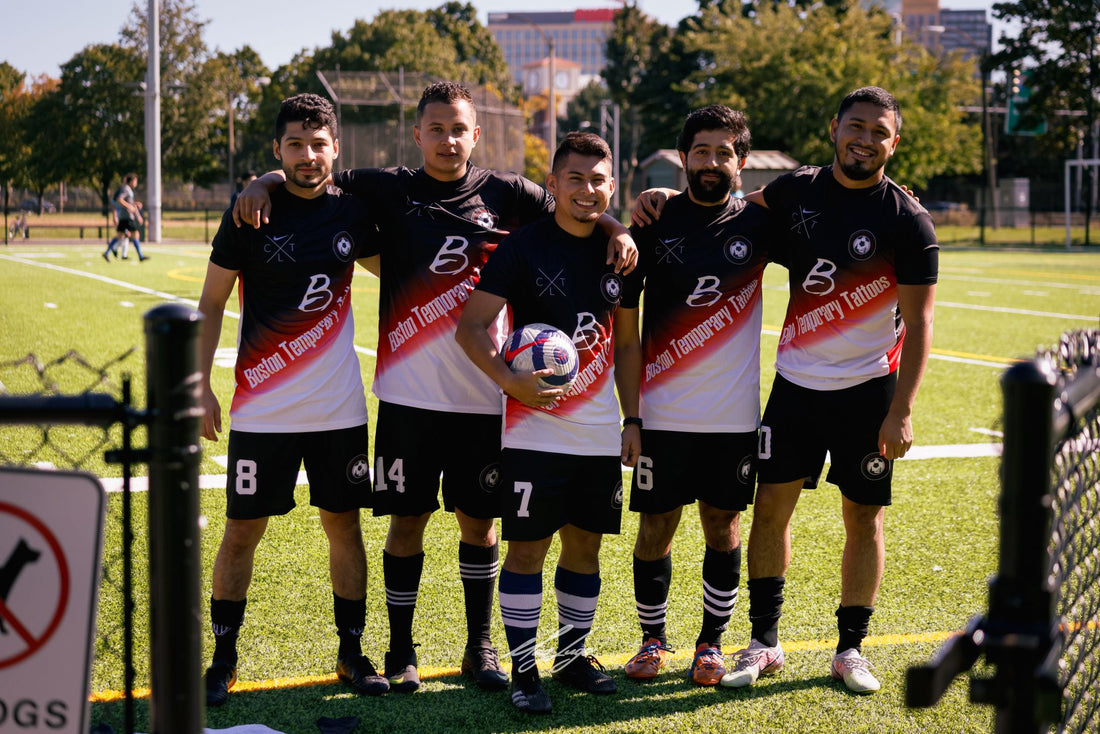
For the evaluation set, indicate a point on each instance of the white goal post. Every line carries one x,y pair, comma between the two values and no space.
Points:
1070,164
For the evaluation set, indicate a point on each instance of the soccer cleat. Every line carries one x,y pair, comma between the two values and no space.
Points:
528,694
106,258
855,670
220,677
652,656
751,663
582,672
483,665
401,671
359,673
707,668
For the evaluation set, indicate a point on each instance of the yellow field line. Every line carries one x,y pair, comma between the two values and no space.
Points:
614,661
968,355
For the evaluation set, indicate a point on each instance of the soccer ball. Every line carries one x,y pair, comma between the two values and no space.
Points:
540,346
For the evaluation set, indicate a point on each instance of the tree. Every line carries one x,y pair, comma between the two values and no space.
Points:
1058,44
15,105
788,69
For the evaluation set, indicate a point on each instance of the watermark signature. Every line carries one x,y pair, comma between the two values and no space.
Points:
529,653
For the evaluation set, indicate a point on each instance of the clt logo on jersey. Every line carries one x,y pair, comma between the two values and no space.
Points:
819,281
550,285
875,467
451,258
804,221
279,248
588,333
861,245
486,218
670,249
738,250
611,286
359,469
343,246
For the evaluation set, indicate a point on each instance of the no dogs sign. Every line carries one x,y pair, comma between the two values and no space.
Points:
51,540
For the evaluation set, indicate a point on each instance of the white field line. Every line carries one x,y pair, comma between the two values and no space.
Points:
1084,288
139,288
1021,311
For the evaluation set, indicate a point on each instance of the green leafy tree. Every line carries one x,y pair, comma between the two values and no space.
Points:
788,69
15,103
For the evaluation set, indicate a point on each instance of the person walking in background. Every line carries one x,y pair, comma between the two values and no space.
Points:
128,218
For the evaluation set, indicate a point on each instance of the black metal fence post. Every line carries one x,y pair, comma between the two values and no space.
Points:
1018,631
175,418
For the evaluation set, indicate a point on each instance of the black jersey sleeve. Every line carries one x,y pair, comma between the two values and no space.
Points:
228,248
499,272
533,202
918,254
369,183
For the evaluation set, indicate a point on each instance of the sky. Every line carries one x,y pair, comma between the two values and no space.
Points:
39,38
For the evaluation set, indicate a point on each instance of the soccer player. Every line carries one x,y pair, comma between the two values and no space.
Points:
863,261
128,218
299,392
439,225
562,452
702,262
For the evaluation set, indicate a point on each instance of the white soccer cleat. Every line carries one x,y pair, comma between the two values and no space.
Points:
754,661
855,670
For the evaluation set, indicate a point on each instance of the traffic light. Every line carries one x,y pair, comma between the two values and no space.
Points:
1019,120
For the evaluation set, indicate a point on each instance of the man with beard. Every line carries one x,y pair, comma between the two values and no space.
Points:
299,392
863,262
700,398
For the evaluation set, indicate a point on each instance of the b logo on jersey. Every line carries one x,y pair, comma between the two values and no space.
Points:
486,218
489,478
819,281
279,248
611,286
359,469
617,496
738,250
861,245
343,246
706,292
451,258
875,467
588,333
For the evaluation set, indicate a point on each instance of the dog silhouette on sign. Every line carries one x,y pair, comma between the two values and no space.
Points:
22,556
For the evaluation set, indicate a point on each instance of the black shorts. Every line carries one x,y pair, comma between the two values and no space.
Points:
800,425
413,447
263,471
677,468
543,492
126,225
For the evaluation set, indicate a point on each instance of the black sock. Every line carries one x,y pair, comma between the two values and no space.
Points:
402,579
852,623
351,617
651,582
478,566
765,607
721,575
226,618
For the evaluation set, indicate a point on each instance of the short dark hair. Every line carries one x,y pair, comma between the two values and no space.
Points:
129,177
873,95
312,110
716,117
445,92
586,144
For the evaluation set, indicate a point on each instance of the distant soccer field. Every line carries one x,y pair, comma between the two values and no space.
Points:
941,532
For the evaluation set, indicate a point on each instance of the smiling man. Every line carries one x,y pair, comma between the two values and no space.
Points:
863,262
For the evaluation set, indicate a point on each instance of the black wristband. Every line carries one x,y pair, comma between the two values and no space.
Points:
632,420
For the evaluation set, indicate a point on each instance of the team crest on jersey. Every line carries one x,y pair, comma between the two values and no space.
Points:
359,469
875,467
617,496
611,286
486,218
861,245
738,250
490,478
343,246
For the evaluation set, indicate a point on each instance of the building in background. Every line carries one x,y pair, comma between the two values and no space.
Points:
940,29
579,36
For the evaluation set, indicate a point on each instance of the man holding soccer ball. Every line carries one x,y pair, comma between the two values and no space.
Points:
562,450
